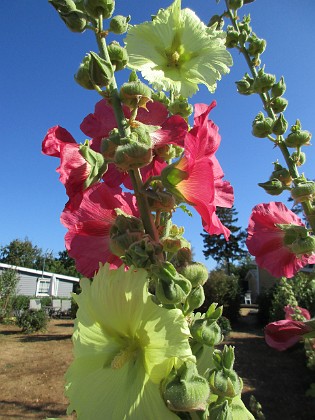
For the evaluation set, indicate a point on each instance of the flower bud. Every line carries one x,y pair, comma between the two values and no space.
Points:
256,46
118,55
74,19
280,126
135,94
183,256
224,381
303,246
181,107
101,71
217,22
206,330
279,105
263,82
124,232
282,174
235,4
220,411
279,88
161,200
95,8
194,300
273,186
168,151
171,287
304,191
119,24
185,389
160,97
262,126
143,253
97,164
299,158
232,37
196,273
244,86
298,138
108,149
82,76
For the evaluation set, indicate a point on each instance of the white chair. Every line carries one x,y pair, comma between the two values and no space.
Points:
248,298
35,304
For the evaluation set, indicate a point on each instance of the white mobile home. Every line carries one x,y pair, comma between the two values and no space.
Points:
42,283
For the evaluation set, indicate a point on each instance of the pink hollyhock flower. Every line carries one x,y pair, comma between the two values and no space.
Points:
266,240
283,334
197,176
87,239
54,139
291,311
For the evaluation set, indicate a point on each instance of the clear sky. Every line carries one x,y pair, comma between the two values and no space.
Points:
40,56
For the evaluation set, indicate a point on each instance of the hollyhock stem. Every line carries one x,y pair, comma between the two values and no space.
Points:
124,131
265,97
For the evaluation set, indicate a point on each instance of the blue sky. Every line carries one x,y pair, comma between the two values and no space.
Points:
40,57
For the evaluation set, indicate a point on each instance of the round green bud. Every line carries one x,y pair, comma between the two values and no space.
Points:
119,24
273,187
135,94
101,71
304,191
206,331
220,411
196,273
256,46
194,300
235,4
263,82
262,126
95,8
82,76
280,126
279,104
298,138
118,55
282,174
181,107
279,88
299,158
232,37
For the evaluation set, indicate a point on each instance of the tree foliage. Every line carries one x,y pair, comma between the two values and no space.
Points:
23,253
222,251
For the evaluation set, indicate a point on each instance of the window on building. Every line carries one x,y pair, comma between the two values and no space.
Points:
43,287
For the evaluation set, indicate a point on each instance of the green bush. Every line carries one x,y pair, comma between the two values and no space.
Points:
32,321
303,286
225,326
224,290
46,301
20,303
74,308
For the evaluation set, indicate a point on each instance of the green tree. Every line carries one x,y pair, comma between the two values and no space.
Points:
22,253
222,251
8,283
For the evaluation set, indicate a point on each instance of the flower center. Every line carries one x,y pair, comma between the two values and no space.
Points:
124,356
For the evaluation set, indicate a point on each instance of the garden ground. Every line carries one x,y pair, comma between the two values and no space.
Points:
32,369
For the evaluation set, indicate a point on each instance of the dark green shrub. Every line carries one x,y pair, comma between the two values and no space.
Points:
74,308
225,326
46,301
31,321
264,301
303,286
224,290
20,303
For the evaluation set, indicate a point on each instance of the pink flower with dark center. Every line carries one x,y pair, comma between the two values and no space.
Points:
293,310
200,182
283,334
87,239
266,240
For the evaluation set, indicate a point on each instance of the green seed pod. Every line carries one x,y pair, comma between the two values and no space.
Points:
279,88
279,104
303,245
194,300
119,24
185,390
143,253
303,191
232,37
220,411
280,126
235,4
82,76
118,55
262,126
74,19
101,72
95,8
183,256
273,187
135,94
263,82
196,273
256,45
244,86
181,107
299,158
282,174
298,138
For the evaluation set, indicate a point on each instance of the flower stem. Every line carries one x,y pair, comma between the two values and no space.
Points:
124,131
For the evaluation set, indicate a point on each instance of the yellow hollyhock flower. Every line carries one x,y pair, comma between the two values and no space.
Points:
176,51
124,345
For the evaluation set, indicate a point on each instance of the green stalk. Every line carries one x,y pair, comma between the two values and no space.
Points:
124,131
265,98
